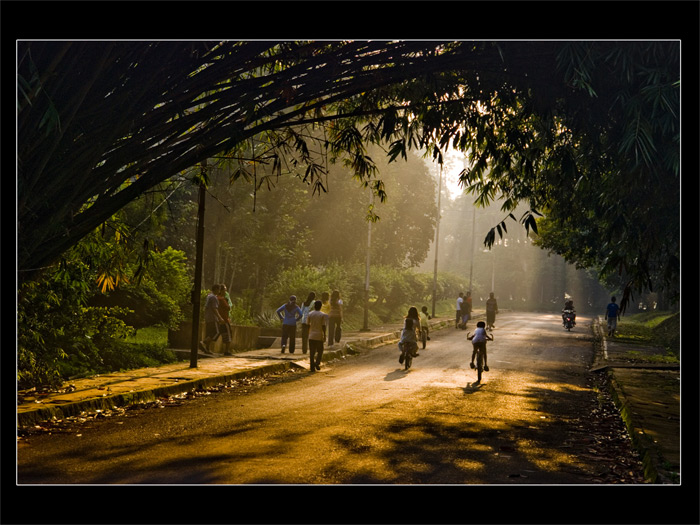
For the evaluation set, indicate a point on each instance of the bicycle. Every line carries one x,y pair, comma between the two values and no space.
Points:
481,365
406,357
480,350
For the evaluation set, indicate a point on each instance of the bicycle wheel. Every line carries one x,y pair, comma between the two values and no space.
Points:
407,360
479,364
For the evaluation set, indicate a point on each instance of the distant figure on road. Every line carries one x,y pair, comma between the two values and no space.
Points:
491,311
225,325
458,318
411,329
466,310
212,319
318,321
568,305
326,303
289,313
335,318
306,308
424,318
612,313
479,341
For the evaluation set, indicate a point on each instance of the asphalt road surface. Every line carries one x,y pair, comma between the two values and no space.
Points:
365,420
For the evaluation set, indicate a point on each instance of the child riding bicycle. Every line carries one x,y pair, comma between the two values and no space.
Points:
479,342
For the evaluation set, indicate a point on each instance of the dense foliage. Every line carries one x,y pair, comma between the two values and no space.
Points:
597,152
585,133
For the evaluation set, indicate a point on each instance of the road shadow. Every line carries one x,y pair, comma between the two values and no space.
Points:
472,387
399,373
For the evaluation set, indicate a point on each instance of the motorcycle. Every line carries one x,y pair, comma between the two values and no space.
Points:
569,319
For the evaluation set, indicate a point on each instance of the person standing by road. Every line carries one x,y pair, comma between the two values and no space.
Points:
424,325
212,319
458,318
612,314
335,318
289,313
225,325
318,321
466,310
306,308
491,311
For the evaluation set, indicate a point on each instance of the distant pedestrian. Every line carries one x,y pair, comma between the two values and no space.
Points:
225,324
335,318
212,319
424,318
466,310
458,315
491,311
326,303
318,321
409,334
612,314
306,308
289,313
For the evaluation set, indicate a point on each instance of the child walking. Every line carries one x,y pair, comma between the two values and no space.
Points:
479,341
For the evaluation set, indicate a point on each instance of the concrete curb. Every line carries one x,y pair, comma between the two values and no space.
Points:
650,452
61,409
145,395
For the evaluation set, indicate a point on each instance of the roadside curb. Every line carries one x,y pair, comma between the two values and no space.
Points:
649,449
144,395
151,384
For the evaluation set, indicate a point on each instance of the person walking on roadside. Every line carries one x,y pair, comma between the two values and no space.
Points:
289,313
491,311
458,315
424,325
225,326
212,319
612,314
326,303
466,310
335,318
411,329
306,308
318,321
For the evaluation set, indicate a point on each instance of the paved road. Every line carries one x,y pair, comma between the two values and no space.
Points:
363,421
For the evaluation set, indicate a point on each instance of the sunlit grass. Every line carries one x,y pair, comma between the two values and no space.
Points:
150,335
651,328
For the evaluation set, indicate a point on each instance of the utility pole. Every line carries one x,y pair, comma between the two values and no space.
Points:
197,291
437,238
365,327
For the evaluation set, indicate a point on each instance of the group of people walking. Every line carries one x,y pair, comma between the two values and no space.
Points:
464,311
217,321
320,322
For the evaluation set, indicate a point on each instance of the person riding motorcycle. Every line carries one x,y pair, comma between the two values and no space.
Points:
568,307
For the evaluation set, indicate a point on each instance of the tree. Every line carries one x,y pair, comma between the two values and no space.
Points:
101,122
598,157
546,118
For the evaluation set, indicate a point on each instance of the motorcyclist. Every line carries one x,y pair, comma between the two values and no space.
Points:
568,306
